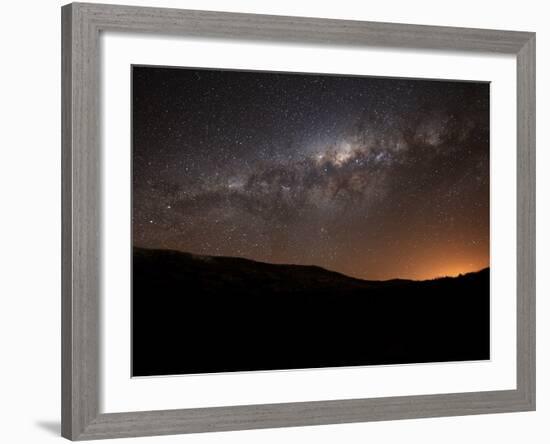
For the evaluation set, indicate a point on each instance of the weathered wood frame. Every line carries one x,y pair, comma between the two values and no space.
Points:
81,27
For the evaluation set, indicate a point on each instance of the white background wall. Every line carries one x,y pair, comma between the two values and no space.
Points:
30,221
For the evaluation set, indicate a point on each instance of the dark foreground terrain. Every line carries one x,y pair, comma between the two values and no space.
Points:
201,314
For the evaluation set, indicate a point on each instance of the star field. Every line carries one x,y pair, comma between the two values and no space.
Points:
375,178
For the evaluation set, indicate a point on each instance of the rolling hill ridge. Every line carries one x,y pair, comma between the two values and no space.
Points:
203,314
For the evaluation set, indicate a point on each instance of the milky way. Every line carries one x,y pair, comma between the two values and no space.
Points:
376,178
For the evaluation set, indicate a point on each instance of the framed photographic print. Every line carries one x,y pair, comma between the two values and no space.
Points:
316,212
279,221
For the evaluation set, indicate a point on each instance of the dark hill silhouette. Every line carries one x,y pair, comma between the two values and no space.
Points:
198,314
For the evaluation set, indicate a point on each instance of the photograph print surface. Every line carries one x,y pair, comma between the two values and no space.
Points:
294,221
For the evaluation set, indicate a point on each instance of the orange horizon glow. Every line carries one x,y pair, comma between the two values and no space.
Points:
449,271
428,263
444,270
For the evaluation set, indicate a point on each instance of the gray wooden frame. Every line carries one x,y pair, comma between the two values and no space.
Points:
81,26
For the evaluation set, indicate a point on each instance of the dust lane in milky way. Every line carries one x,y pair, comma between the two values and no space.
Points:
376,178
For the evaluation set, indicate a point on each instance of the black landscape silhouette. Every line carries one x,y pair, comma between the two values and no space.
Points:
207,314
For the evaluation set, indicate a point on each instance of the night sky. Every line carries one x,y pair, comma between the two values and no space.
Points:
376,178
